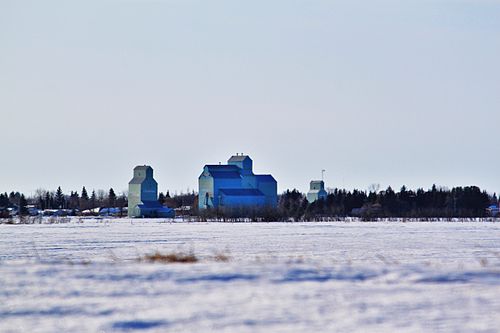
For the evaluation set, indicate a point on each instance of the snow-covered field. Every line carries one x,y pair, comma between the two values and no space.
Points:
281,277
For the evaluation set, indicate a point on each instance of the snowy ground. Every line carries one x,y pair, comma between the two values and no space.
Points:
282,277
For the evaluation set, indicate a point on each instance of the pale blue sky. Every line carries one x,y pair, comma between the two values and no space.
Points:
376,91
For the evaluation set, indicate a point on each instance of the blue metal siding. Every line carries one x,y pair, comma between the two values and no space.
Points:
249,181
149,190
235,185
245,163
155,209
242,200
241,192
270,190
221,183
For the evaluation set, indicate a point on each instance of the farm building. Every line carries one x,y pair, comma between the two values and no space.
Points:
317,191
235,185
143,195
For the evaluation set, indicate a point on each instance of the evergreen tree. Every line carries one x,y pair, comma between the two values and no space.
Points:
74,200
41,203
4,200
84,200
84,195
47,201
111,198
59,198
494,199
12,197
23,210
121,202
93,200
161,198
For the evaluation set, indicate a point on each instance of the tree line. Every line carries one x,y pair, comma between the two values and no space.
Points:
78,202
468,201
437,202
75,201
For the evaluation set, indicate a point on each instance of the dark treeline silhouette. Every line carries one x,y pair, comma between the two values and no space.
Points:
14,199
436,202
178,200
54,200
75,201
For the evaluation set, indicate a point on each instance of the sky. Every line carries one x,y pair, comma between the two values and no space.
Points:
389,92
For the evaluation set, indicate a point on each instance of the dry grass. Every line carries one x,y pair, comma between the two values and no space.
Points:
171,258
220,257
483,262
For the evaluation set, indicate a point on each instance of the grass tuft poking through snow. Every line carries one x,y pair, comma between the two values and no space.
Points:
221,257
170,258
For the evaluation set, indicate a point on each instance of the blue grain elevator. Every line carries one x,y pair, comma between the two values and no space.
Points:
235,185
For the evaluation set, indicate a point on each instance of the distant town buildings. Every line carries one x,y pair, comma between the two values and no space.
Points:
316,191
143,195
235,185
